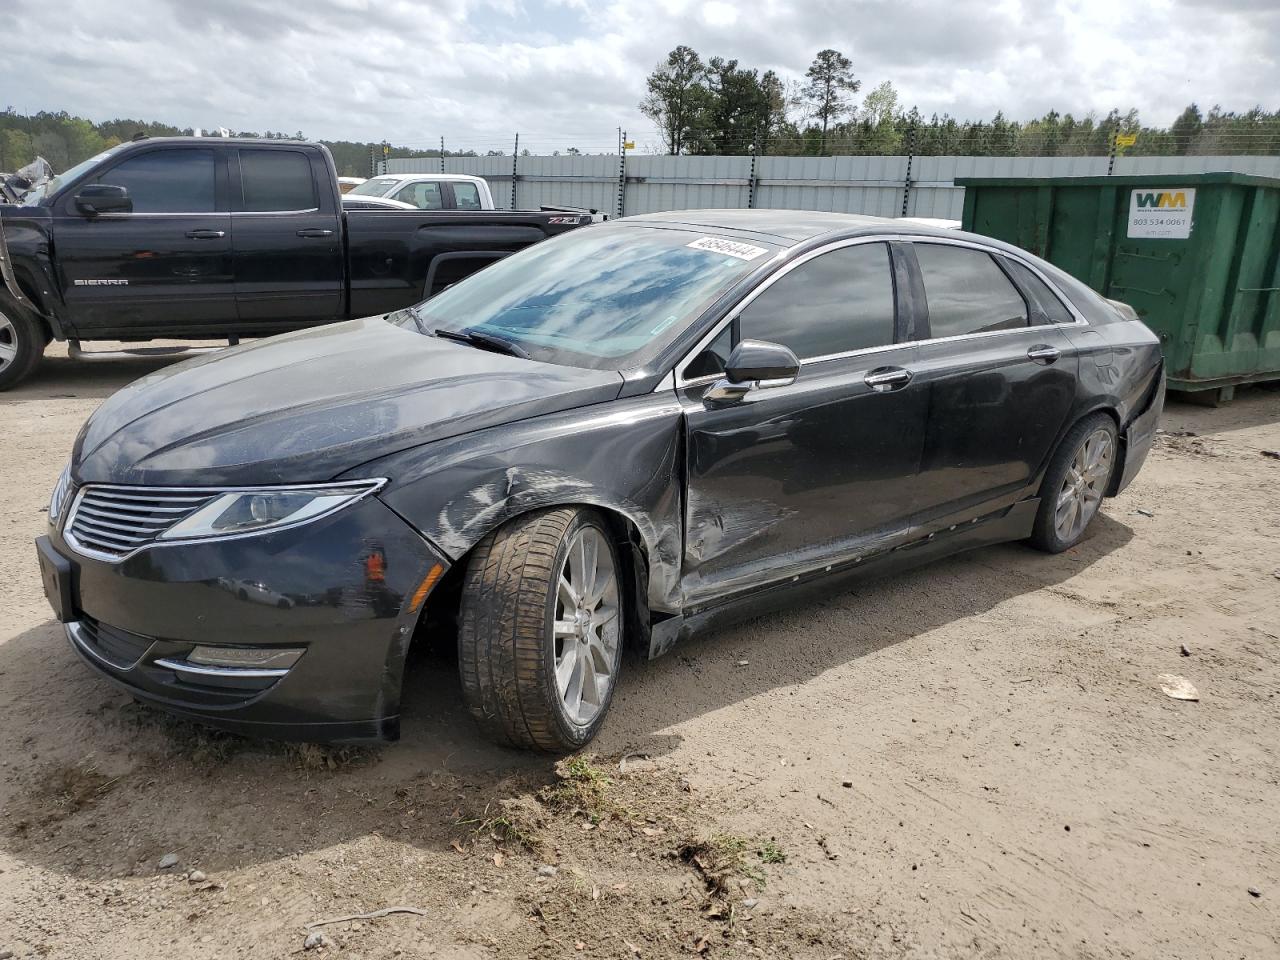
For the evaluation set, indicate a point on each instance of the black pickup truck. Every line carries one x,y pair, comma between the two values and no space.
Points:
201,238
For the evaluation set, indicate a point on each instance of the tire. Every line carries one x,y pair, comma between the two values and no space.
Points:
517,625
22,343
1084,461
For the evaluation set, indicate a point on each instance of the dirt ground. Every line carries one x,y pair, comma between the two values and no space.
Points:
972,760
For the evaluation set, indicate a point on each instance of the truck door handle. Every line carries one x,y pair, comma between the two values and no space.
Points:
1044,354
206,234
884,379
315,233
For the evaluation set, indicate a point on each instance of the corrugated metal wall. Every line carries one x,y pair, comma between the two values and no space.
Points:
868,185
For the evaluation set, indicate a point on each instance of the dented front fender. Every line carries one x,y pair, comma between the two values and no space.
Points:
623,457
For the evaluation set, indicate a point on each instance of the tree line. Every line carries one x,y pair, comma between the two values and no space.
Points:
717,106
65,140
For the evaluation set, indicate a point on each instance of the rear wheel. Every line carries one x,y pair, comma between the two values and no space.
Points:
540,629
1075,483
22,343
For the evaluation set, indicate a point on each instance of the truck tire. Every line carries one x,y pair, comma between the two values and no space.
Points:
22,343
1075,483
540,630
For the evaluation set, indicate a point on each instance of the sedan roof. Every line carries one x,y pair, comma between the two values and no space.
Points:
795,226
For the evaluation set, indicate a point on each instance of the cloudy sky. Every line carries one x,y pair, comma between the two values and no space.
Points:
568,72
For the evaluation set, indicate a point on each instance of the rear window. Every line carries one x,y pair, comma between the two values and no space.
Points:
274,180
1047,308
967,292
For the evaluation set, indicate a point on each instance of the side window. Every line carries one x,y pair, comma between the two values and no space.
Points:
1047,307
967,292
712,360
466,195
167,181
273,180
424,196
839,301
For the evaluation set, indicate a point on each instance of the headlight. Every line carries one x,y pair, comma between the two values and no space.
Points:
58,499
251,511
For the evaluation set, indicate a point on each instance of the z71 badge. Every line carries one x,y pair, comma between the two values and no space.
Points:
571,220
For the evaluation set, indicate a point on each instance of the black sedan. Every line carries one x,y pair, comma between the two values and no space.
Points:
614,438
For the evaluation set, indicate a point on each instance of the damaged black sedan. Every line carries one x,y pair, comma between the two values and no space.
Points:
612,439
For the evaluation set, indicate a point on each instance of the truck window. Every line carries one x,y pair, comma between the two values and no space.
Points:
166,181
275,180
424,196
466,195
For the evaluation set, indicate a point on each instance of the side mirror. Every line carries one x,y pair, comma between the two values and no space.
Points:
754,364
96,198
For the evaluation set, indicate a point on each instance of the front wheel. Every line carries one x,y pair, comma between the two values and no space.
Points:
22,344
540,629
1075,483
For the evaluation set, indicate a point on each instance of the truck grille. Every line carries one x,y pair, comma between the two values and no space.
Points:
114,521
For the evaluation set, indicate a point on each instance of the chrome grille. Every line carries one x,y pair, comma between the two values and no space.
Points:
114,521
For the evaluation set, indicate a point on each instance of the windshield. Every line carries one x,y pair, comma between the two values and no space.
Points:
598,297
52,186
375,187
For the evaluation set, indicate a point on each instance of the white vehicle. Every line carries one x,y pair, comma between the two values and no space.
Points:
361,202
429,191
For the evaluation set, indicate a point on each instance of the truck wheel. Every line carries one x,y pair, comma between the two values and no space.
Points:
1075,483
22,343
540,629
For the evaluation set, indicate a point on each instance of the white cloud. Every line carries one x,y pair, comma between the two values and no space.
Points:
568,72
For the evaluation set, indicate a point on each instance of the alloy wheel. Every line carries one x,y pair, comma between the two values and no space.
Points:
8,342
586,629
1084,484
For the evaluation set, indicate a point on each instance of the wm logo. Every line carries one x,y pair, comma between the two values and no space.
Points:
1162,200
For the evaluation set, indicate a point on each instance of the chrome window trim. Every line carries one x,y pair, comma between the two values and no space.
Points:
679,368
225,213
374,485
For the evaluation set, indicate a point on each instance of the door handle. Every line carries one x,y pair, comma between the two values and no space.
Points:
313,233
1044,354
206,234
887,378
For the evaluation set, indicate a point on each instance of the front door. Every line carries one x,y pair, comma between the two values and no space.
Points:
163,267
820,471
1001,381
288,240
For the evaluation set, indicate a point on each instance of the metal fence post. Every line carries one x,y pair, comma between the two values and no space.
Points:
1111,155
751,181
515,169
442,154
622,170
906,184
373,163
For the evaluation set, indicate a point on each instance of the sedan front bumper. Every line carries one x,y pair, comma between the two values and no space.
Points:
344,590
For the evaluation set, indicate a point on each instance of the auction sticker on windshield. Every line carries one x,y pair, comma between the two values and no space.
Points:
1161,214
743,251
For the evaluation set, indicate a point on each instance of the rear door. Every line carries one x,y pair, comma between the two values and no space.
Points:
288,239
167,265
818,471
1001,381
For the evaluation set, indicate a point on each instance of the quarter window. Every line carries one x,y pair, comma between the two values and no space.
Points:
1046,306
967,292
839,301
274,180
167,181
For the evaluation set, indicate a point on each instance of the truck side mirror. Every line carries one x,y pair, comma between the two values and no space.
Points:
96,198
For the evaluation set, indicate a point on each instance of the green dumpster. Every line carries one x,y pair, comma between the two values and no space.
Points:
1198,256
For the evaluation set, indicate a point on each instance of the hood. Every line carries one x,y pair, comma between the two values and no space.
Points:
307,406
